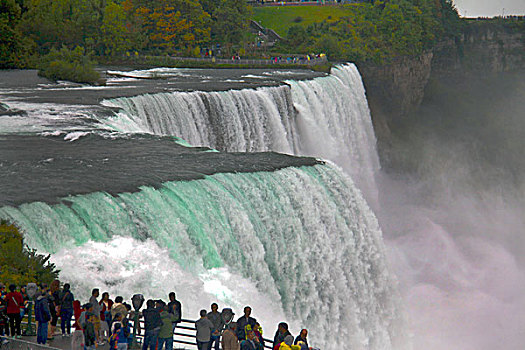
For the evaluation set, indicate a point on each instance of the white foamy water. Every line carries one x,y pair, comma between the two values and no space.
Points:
304,238
125,266
327,117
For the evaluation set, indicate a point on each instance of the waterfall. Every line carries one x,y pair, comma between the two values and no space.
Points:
326,117
304,237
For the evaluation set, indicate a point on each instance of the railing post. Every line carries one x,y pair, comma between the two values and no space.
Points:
30,331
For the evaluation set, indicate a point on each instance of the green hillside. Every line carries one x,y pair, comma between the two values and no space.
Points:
281,18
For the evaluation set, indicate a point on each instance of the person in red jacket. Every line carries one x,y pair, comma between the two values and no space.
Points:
15,302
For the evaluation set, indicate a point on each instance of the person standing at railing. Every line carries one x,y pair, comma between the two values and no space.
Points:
244,321
105,315
252,342
54,307
42,316
66,298
15,302
174,308
119,308
218,323
204,328
4,320
229,338
281,333
96,311
166,329
77,340
152,323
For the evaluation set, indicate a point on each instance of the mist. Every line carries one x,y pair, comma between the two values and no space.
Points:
452,214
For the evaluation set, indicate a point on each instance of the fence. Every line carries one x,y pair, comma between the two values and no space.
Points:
256,62
185,334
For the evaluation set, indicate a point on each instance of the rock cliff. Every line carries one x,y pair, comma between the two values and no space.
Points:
396,89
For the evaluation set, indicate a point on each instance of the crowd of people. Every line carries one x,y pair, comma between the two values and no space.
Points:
105,320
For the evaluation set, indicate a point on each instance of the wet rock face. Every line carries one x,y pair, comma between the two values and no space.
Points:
393,91
397,89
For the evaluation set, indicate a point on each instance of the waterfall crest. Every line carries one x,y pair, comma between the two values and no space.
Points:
326,117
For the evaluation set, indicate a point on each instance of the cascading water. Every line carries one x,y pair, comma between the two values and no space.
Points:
304,236
326,117
298,244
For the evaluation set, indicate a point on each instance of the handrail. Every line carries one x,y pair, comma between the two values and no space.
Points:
175,333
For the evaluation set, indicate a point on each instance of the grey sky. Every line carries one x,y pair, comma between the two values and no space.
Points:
490,8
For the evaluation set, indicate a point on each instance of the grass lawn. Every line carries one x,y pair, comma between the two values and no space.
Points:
280,18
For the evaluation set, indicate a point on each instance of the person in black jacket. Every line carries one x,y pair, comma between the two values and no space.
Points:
65,300
42,316
175,308
152,323
245,321
280,334
302,338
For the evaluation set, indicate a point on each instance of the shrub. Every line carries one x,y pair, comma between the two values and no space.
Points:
20,264
72,65
298,19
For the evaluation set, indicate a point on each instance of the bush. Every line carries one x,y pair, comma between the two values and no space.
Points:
19,264
298,19
72,65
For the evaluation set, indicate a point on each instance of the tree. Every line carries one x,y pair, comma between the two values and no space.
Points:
230,22
18,263
13,47
115,36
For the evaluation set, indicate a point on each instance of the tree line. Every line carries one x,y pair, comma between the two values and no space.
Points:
378,30
30,28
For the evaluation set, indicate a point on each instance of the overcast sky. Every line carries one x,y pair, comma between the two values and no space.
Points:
490,8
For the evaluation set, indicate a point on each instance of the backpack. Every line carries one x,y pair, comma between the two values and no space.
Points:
113,340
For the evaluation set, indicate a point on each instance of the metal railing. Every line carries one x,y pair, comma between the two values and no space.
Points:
185,334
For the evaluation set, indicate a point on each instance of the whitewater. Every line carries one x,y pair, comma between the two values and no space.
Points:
386,259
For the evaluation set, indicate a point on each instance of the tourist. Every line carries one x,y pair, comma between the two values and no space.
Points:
96,311
204,328
42,316
166,329
54,307
4,320
229,338
15,302
252,342
113,340
77,340
66,299
119,308
280,334
302,338
152,323
105,315
216,318
88,322
175,308
245,321
124,335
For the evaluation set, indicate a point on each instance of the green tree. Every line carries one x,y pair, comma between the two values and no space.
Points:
20,264
230,22
13,47
115,36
